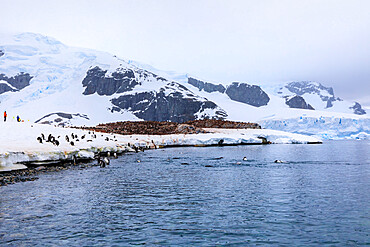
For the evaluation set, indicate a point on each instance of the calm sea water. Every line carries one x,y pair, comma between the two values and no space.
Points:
190,197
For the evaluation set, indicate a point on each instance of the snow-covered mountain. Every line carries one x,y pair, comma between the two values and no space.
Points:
45,81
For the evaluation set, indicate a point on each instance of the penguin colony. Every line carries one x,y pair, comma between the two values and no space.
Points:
71,140
74,138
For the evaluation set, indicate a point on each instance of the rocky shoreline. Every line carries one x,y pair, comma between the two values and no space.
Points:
31,172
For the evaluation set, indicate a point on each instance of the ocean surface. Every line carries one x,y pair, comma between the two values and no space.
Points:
203,196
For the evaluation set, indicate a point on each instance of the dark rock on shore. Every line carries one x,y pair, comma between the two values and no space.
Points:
30,174
12,177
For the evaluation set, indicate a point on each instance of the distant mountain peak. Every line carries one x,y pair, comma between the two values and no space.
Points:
41,77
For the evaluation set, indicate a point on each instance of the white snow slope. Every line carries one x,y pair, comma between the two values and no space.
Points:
56,86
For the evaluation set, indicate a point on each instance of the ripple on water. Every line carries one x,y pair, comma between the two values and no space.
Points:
192,196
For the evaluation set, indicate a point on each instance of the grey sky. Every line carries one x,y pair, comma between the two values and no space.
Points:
222,41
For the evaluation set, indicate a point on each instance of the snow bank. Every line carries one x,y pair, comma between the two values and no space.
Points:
18,142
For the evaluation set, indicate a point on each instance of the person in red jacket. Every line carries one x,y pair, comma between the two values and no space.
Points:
5,115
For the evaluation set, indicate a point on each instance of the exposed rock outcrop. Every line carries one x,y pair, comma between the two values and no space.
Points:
206,86
248,94
1,53
298,102
97,81
171,106
357,109
14,83
60,118
302,87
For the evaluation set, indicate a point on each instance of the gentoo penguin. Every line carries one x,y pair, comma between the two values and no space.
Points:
106,160
39,139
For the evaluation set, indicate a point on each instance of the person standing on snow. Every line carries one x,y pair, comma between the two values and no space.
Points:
5,115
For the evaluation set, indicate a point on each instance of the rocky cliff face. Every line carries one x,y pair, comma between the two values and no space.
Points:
164,101
298,102
206,86
248,94
357,109
302,87
326,95
97,81
168,105
14,83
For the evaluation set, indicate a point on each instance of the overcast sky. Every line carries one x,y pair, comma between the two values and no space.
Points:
221,41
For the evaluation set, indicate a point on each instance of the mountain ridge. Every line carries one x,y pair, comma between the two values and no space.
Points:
56,78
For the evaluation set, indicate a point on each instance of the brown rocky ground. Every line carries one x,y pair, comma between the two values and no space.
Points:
166,128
